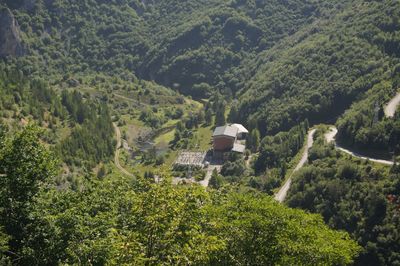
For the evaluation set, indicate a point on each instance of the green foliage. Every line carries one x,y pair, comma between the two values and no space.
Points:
280,65
26,166
253,140
92,141
208,117
4,238
91,138
364,126
121,221
213,44
322,68
276,151
234,167
153,224
352,196
220,116
216,180
256,234
283,61
159,41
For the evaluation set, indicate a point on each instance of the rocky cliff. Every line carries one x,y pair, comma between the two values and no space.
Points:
10,40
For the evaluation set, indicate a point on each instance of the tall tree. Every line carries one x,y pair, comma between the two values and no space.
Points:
215,180
26,166
208,116
253,140
233,113
220,116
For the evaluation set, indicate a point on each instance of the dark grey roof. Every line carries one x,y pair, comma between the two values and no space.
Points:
229,131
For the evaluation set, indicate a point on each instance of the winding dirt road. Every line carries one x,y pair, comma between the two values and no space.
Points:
117,149
391,107
281,195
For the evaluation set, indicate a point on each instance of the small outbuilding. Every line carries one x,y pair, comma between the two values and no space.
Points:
242,131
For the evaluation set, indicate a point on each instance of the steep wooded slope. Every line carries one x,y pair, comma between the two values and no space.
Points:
194,46
319,71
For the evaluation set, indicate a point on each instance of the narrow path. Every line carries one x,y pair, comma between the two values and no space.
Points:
130,99
205,182
281,195
207,178
330,137
248,161
391,107
117,149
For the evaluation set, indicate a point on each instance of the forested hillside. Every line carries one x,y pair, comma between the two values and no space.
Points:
353,195
192,46
284,61
98,98
365,127
319,71
77,127
132,221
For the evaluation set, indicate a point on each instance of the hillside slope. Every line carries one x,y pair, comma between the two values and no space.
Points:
322,69
193,46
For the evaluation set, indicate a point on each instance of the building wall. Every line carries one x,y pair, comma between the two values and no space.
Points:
223,143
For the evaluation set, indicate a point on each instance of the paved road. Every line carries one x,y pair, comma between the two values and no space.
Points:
117,149
390,110
391,107
330,136
281,195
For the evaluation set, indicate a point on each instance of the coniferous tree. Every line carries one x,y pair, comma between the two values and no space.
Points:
215,180
208,117
253,140
233,114
220,116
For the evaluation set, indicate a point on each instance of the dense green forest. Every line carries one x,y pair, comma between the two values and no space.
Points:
355,196
319,71
285,61
131,221
365,127
167,73
77,128
190,45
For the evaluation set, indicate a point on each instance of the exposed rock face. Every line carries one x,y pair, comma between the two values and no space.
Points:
10,40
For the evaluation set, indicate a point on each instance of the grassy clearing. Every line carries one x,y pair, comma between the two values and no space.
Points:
201,139
132,128
165,138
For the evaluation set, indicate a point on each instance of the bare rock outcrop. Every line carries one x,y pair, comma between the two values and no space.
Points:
10,40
